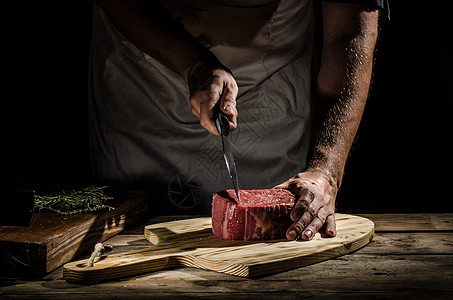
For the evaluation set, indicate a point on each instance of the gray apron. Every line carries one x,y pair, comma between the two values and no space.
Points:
142,130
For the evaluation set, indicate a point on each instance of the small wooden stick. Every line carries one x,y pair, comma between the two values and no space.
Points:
99,249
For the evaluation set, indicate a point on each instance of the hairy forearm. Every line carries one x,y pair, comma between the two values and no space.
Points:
149,26
342,86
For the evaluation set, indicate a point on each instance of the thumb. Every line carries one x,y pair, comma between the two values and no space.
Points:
284,185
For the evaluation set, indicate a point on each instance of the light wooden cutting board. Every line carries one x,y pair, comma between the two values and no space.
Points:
190,243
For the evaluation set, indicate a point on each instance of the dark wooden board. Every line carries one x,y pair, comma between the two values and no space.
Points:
52,239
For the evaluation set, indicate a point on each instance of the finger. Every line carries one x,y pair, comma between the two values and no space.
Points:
207,108
330,225
328,230
284,185
294,230
196,112
288,185
232,113
228,103
209,125
301,224
312,228
194,101
302,204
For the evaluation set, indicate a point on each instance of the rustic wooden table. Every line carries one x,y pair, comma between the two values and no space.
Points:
411,256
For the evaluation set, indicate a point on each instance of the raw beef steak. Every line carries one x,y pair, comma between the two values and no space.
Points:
261,215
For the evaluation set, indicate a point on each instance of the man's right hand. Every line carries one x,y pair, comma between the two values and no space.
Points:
211,88
211,84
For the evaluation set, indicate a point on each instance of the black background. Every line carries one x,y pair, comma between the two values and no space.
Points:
401,160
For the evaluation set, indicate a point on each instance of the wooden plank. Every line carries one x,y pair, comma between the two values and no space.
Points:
388,243
52,239
395,265
411,222
411,243
191,243
442,221
353,276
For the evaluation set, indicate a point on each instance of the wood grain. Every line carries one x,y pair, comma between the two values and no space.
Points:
52,239
411,222
410,264
190,243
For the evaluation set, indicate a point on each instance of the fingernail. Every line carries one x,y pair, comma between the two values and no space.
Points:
291,235
308,234
331,232
229,109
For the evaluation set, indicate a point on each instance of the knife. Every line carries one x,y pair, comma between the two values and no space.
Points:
223,127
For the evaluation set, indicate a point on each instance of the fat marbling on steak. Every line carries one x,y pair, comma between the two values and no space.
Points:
261,215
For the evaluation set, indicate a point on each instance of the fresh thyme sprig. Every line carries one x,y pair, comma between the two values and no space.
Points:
69,202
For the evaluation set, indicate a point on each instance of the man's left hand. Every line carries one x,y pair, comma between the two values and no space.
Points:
314,210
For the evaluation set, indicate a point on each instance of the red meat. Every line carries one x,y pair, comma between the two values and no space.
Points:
261,215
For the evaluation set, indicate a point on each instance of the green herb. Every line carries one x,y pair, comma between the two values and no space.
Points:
69,202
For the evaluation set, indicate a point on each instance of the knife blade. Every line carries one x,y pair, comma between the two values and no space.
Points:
223,127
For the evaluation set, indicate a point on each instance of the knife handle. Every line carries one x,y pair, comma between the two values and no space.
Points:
222,123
